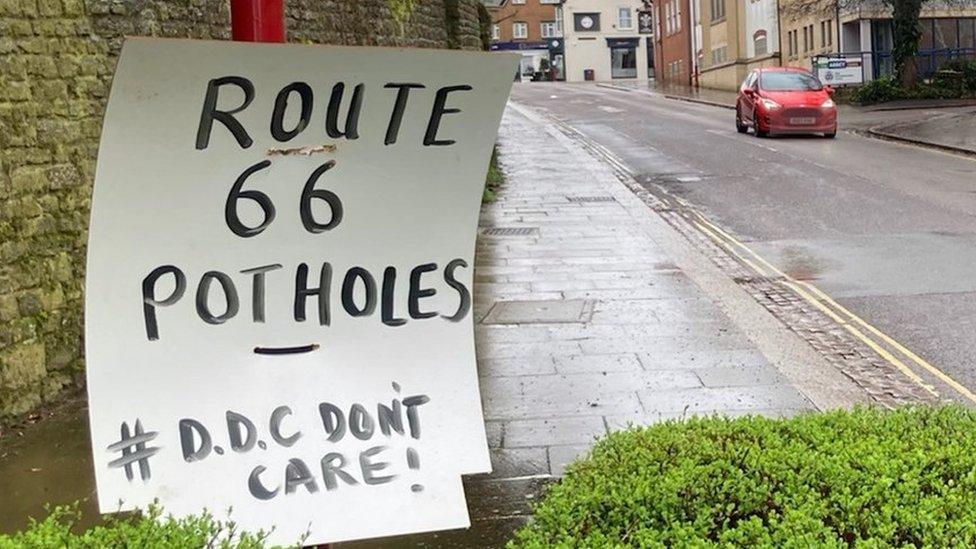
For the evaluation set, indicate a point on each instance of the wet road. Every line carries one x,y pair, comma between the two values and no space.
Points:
887,230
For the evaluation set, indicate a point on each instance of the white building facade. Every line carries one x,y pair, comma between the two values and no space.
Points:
602,41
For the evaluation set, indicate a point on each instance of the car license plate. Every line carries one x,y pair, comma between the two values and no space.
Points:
803,121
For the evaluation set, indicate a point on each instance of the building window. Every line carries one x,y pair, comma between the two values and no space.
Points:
623,62
496,32
625,19
826,33
760,43
672,16
720,55
520,30
549,29
559,20
718,9
518,1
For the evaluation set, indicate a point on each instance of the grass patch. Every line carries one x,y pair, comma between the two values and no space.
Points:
494,180
151,529
865,478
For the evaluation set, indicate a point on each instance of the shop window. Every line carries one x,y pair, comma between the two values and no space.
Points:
967,33
623,62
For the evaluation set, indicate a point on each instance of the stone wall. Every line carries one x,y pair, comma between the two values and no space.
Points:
56,63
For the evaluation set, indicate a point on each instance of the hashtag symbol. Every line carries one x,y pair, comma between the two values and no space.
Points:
133,448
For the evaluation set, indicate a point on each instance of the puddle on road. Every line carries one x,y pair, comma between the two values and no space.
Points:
801,264
47,463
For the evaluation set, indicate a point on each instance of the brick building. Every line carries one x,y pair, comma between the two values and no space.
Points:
527,26
673,30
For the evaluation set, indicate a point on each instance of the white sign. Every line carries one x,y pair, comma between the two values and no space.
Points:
279,286
837,71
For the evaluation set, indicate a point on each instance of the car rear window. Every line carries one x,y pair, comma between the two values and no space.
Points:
790,81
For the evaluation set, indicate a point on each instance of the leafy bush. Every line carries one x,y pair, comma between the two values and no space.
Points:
942,86
879,90
967,69
867,478
149,530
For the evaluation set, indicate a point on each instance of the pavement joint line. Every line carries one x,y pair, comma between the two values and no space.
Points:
825,298
524,477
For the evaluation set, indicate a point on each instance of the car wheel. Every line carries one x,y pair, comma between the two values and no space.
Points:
739,126
831,135
755,123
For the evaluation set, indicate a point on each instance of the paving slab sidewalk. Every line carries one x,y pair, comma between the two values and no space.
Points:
586,324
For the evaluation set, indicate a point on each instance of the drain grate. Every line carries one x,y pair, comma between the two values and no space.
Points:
510,231
579,199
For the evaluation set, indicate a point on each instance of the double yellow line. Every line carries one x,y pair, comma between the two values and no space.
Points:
854,324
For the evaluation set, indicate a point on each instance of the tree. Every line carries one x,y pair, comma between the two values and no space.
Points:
905,34
905,15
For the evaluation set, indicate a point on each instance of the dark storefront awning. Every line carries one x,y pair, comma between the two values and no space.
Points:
622,42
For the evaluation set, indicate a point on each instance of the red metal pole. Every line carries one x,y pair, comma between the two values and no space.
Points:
257,20
260,21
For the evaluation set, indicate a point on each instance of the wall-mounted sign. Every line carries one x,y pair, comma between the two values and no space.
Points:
519,46
622,43
839,70
279,284
586,22
645,22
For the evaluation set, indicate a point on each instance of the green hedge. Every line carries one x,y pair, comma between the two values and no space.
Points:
151,530
866,478
956,80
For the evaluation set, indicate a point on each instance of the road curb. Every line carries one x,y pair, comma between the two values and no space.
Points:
613,87
888,136
882,108
700,101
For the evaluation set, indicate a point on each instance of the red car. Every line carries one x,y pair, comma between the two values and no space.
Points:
785,100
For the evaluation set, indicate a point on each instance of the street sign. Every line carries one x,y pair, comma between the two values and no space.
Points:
839,71
279,284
